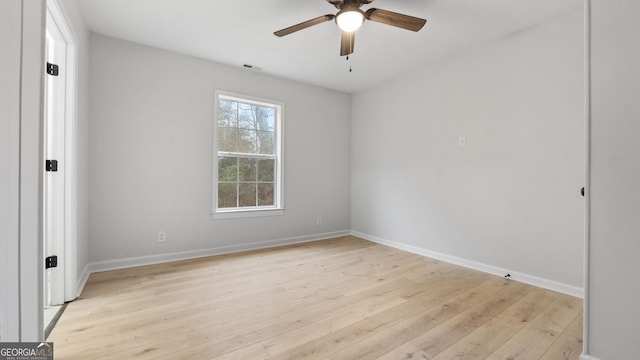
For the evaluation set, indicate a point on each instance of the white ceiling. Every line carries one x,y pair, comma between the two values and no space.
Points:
237,32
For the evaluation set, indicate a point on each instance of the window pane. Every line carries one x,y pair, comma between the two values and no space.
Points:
227,195
265,194
266,118
247,116
247,141
227,113
227,169
227,139
265,142
266,170
247,170
247,195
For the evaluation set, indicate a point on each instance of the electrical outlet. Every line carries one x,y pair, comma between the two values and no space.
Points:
319,220
162,237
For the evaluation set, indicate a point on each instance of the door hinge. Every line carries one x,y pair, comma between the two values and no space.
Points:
51,165
50,262
52,69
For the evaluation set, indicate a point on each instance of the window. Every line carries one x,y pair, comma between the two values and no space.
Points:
248,143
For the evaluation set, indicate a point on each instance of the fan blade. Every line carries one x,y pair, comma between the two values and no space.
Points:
395,19
346,45
304,25
336,3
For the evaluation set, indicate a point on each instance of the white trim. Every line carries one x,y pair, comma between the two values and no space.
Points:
194,254
588,357
278,155
490,269
31,173
235,214
54,148
10,195
70,67
587,167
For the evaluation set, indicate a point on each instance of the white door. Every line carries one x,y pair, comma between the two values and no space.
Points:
54,179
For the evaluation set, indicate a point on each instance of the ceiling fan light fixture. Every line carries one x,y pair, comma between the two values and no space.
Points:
350,20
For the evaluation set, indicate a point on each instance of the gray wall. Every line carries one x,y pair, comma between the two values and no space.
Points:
151,153
510,198
614,270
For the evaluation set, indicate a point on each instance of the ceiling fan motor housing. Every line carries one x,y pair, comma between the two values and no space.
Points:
342,4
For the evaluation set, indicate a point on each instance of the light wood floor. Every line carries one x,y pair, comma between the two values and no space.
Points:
337,299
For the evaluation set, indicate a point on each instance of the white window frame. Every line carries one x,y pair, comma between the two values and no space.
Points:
278,207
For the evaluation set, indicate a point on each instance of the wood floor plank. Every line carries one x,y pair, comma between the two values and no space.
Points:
253,352
295,320
487,338
429,339
362,310
343,298
410,317
569,344
539,335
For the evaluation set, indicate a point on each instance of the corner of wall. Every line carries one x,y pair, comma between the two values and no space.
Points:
489,269
82,280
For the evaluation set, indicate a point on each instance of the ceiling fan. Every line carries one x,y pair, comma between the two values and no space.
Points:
349,18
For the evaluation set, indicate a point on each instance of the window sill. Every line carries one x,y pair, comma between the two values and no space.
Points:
236,214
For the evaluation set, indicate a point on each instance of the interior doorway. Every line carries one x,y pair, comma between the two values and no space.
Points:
59,185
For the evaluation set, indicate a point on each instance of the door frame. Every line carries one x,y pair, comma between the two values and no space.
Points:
69,264
587,182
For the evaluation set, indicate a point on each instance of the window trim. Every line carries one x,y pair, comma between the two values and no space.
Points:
278,207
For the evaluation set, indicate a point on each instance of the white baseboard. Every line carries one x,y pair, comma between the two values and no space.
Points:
186,255
490,269
588,357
